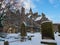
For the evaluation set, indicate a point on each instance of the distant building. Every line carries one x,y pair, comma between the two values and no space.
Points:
14,19
55,27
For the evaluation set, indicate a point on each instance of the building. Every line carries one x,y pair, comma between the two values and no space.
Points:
14,19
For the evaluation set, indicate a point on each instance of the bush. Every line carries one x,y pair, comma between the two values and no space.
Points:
47,30
6,43
59,28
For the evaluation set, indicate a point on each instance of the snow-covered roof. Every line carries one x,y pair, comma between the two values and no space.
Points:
29,16
46,21
56,23
38,18
3,6
25,23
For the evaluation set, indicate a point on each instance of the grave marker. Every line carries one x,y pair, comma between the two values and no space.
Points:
47,32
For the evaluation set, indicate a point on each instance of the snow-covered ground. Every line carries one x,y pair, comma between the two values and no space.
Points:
14,39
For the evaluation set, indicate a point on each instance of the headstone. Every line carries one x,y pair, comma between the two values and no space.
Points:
47,32
59,29
6,43
23,30
1,27
1,16
52,44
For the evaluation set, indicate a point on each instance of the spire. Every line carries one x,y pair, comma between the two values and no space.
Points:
30,11
22,10
43,15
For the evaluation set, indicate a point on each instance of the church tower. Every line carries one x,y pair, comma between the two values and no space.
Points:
31,20
30,12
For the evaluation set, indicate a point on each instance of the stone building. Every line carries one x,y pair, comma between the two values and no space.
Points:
55,27
14,19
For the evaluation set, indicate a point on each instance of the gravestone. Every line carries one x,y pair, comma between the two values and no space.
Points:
1,26
1,16
59,29
6,43
52,44
47,32
23,30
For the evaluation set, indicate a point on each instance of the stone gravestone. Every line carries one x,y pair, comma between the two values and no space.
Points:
1,29
47,33
52,44
23,31
1,26
59,29
6,43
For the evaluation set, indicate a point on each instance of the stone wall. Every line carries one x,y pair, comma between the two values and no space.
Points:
55,27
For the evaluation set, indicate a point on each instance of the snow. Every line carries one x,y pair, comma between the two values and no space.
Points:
46,21
3,6
38,18
29,16
1,43
36,40
12,35
57,38
25,23
48,40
